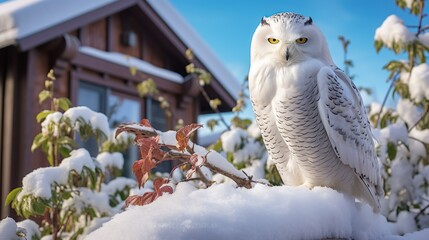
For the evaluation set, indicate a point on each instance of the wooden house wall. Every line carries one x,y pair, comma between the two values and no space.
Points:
27,72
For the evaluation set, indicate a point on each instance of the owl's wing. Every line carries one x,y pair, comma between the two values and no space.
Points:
344,118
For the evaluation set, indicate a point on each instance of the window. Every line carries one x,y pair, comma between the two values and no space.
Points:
118,109
156,114
158,120
121,108
94,97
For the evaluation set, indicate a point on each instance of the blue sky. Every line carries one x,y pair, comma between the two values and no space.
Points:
227,27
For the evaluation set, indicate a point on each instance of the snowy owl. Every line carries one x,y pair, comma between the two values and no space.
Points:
310,113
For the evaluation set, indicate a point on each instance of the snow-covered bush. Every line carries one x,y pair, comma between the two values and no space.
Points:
245,149
73,194
403,133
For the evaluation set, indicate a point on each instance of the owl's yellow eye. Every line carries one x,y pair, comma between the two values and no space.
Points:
301,40
273,40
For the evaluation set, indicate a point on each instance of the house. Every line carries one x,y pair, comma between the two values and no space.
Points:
91,46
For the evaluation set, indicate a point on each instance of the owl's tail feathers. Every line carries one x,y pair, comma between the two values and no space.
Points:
370,193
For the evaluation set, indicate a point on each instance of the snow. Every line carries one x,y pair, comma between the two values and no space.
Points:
417,150
422,135
256,170
31,228
393,31
95,224
375,109
97,120
251,150
19,19
203,52
78,159
408,111
396,132
168,138
84,198
118,184
217,160
107,159
239,142
254,131
52,119
231,140
401,171
8,229
405,223
38,182
129,61
424,39
419,82
226,212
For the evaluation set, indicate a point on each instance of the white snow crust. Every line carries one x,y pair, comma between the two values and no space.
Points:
225,212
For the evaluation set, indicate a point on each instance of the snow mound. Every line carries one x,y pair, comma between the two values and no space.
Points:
419,82
393,31
97,120
107,159
39,181
226,212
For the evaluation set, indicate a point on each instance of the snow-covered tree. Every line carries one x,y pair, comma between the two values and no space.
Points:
403,132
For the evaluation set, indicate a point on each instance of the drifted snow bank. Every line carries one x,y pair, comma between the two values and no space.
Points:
225,212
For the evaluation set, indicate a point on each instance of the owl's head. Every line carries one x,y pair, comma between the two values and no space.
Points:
288,38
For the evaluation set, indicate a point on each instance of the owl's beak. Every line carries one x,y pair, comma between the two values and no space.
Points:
287,54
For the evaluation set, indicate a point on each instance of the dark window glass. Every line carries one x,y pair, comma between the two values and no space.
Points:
158,120
94,97
122,110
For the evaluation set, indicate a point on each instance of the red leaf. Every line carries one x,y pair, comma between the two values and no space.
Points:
194,164
140,200
141,169
145,122
150,148
136,128
160,187
151,155
183,135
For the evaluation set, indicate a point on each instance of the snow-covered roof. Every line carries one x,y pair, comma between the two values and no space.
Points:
200,49
129,61
22,18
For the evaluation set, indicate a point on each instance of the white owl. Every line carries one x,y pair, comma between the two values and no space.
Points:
310,113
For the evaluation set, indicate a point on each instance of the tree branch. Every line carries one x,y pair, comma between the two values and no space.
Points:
395,78
421,118
170,151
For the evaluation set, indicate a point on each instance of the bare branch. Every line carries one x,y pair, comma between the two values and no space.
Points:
395,78
421,118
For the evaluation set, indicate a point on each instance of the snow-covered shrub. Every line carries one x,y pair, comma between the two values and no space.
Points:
244,148
73,194
403,133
